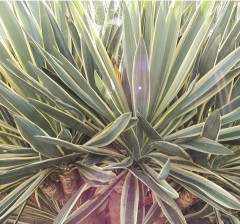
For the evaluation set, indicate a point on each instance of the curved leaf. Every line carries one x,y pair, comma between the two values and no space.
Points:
207,146
111,132
29,130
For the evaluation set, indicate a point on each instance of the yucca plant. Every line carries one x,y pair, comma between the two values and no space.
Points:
120,112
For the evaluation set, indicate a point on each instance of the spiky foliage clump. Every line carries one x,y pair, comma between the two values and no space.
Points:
120,112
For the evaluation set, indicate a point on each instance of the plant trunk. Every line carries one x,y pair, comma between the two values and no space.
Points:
115,203
186,200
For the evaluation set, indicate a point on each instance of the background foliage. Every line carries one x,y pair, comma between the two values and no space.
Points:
125,111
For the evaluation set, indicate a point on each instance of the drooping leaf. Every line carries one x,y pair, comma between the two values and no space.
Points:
95,173
212,190
19,172
29,130
207,146
70,147
170,148
125,163
62,117
21,106
111,132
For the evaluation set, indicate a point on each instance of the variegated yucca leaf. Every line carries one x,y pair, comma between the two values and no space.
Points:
134,103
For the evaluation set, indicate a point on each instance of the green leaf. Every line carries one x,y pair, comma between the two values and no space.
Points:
236,89
111,132
147,127
210,56
170,213
47,31
170,148
17,78
129,200
205,89
99,54
131,140
213,79
30,25
206,146
125,163
165,170
163,184
106,94
148,11
168,44
59,92
205,211
107,26
212,190
82,88
221,26
16,37
196,130
152,214
228,134
70,147
29,130
66,209
17,173
62,45
154,186
8,160
129,43
95,173
141,80
212,126
182,65
63,117
157,50
26,192
196,191
23,107
229,42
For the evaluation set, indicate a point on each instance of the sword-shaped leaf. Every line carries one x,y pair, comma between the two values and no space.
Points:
212,190
128,161
95,173
212,125
22,107
140,80
16,36
19,172
111,132
27,190
63,117
147,127
29,130
70,147
206,146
